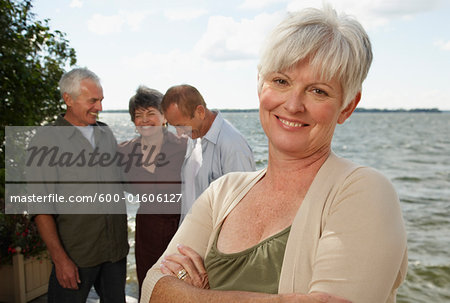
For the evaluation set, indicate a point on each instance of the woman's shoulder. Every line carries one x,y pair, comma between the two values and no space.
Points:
357,172
343,176
360,186
370,179
172,138
346,168
174,146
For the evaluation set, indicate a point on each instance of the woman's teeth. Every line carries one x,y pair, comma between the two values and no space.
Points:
291,124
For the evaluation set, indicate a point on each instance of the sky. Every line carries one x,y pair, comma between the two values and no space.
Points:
214,46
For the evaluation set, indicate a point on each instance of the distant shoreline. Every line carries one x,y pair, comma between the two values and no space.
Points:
357,110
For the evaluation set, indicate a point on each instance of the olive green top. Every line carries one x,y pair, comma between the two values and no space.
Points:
255,269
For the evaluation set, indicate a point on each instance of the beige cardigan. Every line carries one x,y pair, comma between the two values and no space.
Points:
348,237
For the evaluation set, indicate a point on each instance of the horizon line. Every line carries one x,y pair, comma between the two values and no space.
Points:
358,109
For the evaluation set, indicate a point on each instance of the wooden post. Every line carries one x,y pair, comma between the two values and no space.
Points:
19,277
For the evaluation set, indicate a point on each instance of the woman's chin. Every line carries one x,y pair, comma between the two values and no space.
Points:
148,131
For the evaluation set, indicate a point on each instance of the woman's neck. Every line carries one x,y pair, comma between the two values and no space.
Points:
153,140
284,171
150,148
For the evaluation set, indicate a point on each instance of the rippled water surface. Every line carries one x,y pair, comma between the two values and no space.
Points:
412,149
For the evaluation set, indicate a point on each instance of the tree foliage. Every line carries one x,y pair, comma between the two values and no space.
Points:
32,60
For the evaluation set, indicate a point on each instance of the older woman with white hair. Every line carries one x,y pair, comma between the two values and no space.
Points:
311,227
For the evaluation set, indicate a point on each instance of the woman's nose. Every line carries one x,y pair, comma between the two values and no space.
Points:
295,102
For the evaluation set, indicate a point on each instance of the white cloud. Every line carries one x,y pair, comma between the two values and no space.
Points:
222,84
184,14
400,7
176,66
76,3
258,4
443,45
135,19
167,65
227,39
104,25
371,13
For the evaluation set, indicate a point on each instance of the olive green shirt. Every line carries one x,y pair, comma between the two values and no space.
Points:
98,235
256,269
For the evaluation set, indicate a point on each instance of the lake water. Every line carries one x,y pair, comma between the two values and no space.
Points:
412,149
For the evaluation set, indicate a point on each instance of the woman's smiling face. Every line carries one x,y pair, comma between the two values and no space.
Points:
148,120
299,110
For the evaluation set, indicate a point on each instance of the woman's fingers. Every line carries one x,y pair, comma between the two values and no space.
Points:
172,265
191,262
195,258
177,262
165,270
200,279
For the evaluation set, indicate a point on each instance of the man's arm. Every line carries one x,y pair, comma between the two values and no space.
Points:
66,270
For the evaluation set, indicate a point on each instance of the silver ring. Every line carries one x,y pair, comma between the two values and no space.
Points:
182,274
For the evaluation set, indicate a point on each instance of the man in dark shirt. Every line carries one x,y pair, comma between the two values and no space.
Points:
88,246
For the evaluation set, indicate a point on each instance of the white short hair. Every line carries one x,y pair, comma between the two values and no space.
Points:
336,45
70,81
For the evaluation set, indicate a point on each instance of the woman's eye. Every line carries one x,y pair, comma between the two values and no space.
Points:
319,92
280,81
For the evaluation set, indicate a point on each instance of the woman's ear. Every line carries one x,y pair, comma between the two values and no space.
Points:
348,110
258,88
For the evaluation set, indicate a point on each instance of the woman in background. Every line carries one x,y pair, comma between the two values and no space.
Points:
154,178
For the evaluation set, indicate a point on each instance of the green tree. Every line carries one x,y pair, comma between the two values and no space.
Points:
32,60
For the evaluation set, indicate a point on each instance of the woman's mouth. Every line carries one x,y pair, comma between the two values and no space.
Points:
291,123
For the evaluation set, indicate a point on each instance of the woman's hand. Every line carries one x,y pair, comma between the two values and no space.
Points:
191,262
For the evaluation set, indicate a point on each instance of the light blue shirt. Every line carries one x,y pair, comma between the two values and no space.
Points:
224,150
88,133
